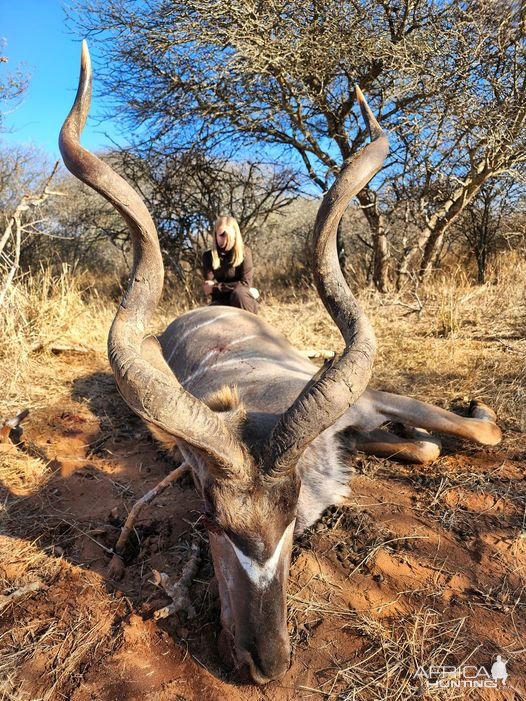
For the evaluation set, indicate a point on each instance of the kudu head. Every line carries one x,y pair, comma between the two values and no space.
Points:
246,473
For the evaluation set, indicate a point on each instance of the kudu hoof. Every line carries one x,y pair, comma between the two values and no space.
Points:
116,568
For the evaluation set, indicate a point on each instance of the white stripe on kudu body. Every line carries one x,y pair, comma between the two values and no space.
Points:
205,364
262,575
250,360
193,329
211,346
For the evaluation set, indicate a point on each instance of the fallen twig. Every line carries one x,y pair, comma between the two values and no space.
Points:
56,347
31,588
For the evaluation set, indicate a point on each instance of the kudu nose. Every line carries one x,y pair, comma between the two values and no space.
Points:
267,664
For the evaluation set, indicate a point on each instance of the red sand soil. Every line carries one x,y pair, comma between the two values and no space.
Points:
417,552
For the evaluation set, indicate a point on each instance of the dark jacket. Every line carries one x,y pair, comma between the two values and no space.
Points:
227,276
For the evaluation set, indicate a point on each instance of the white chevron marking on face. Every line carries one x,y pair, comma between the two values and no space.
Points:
261,575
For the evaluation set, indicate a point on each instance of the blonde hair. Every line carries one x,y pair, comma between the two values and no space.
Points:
238,249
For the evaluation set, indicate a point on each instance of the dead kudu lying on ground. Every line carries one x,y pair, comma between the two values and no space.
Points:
251,416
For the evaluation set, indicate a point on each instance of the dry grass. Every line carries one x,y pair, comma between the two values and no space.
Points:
40,312
21,473
471,337
35,586
386,667
399,639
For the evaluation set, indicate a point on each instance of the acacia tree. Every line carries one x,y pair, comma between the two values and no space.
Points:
184,194
48,216
278,76
475,133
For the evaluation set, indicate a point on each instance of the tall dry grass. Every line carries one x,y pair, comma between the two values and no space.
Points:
438,341
455,340
43,313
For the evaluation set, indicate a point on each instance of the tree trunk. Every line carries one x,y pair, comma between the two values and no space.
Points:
381,260
432,245
403,269
376,221
481,248
483,259
433,234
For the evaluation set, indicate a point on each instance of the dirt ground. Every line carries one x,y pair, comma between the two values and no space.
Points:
423,566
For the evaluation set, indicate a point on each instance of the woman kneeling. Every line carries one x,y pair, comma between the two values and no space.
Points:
228,269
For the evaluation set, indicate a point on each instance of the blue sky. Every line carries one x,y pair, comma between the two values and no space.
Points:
39,41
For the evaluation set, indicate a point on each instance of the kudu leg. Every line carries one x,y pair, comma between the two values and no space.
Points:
479,427
116,567
417,447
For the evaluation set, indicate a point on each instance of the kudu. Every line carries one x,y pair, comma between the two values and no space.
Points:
254,419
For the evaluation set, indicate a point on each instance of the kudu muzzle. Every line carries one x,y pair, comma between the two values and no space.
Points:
254,606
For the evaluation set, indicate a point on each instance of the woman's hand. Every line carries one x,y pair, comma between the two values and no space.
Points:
208,286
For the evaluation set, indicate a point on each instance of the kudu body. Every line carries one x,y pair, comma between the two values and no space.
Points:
255,420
